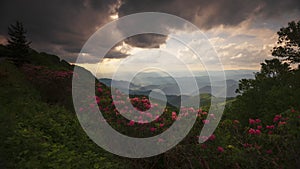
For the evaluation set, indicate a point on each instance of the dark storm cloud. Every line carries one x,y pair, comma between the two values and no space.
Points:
146,40
207,14
62,26
115,54
59,27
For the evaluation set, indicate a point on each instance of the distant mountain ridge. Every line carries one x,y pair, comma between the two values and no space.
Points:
169,85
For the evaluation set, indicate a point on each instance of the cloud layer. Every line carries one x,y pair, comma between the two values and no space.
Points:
62,27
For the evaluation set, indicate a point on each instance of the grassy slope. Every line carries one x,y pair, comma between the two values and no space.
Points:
36,135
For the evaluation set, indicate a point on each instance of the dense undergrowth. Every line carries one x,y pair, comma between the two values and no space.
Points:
35,134
40,133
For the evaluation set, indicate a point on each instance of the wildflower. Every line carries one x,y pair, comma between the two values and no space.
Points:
212,137
236,122
257,120
149,115
269,151
92,105
174,115
252,121
258,132
270,127
281,123
160,140
230,146
277,118
97,99
251,131
220,149
203,138
205,121
131,123
246,145
152,129
100,90
212,116
259,127
257,147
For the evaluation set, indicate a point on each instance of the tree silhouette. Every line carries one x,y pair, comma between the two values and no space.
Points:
289,43
17,41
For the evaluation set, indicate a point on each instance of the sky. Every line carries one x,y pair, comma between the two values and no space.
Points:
243,32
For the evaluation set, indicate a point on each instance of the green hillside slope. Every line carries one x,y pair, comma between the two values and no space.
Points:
38,135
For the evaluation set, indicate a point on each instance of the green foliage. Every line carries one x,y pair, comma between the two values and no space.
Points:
47,60
54,85
289,43
4,51
17,41
273,89
36,135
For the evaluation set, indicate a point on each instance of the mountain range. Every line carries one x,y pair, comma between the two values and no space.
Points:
152,82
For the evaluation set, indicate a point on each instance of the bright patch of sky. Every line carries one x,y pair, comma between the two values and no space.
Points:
243,46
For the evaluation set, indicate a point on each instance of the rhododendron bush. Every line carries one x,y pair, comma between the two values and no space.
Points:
260,143
54,85
271,142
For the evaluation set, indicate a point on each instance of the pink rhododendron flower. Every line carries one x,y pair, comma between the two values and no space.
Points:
212,137
257,147
236,121
92,105
277,118
251,131
220,149
246,145
203,138
205,121
281,123
174,115
257,120
252,121
97,99
100,90
160,140
259,127
212,116
152,129
149,115
131,123
270,127
258,132
269,151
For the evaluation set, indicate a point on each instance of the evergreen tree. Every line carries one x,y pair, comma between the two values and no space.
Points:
17,41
